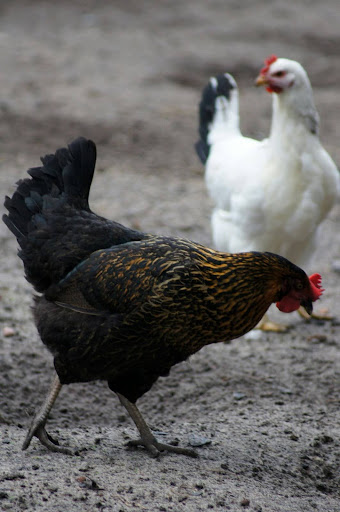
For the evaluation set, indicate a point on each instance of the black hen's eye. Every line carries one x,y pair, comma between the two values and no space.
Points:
279,74
299,286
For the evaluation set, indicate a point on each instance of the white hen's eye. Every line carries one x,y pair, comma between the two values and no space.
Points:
279,74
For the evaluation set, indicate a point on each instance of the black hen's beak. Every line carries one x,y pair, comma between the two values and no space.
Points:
308,305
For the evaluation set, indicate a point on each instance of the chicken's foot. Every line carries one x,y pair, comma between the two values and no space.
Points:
147,439
37,428
268,326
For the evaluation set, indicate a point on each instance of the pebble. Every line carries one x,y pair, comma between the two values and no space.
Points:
8,331
245,502
237,395
195,440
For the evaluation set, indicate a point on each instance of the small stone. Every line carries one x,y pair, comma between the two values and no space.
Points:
8,331
238,395
317,338
285,391
245,502
87,483
195,440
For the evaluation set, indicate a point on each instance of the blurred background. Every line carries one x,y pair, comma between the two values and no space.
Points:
130,73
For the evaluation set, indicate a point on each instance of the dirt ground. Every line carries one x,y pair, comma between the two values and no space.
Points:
265,411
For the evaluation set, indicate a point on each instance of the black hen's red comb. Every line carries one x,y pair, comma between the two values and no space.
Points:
268,62
315,282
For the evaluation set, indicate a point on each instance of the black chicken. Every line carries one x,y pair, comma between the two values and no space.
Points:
124,306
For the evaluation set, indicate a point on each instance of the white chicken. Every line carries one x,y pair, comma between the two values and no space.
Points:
269,195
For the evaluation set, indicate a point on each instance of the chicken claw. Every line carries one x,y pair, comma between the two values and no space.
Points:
147,439
155,448
37,428
40,432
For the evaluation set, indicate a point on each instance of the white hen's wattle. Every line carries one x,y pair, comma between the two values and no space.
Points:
269,195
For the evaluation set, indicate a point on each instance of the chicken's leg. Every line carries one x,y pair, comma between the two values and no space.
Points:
269,326
38,424
147,439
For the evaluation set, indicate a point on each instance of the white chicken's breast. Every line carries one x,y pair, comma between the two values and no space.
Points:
269,195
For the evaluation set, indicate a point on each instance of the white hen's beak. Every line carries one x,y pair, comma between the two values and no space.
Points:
261,80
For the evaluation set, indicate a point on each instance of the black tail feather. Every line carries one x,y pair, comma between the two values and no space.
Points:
221,85
202,150
50,216
67,174
78,163
64,179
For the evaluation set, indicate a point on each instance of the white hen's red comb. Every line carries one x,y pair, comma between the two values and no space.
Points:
315,282
268,62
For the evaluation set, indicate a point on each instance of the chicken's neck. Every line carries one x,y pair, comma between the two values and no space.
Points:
294,115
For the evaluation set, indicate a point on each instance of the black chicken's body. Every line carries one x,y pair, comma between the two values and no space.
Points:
120,305
149,305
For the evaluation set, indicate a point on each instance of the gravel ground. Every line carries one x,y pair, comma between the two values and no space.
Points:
265,411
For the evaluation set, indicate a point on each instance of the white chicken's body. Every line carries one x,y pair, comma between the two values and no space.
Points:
269,195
